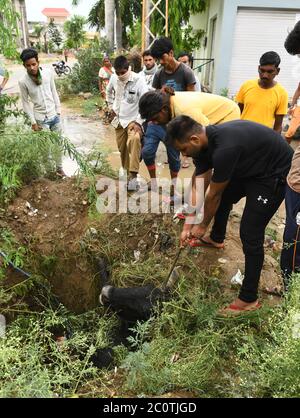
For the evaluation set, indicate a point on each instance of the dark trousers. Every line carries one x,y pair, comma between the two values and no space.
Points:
290,255
263,198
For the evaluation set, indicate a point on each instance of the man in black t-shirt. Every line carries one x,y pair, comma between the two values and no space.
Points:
178,77
236,159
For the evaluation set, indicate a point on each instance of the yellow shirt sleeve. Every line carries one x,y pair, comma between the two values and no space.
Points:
283,104
179,108
198,116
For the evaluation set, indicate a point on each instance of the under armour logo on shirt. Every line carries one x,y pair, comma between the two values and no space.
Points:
261,199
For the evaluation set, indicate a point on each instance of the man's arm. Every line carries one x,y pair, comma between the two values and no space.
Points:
100,85
55,95
278,123
196,200
191,87
295,97
110,95
142,88
4,81
211,205
240,98
281,111
26,105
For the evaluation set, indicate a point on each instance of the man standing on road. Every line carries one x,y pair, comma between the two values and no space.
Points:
123,93
264,101
38,86
150,68
236,159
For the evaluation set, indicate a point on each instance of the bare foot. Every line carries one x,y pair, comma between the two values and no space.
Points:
209,241
244,305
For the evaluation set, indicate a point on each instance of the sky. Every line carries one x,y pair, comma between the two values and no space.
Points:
34,8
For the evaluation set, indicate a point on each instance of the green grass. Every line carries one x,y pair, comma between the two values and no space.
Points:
186,346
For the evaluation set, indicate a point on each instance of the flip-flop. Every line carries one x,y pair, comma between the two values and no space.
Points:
194,242
234,310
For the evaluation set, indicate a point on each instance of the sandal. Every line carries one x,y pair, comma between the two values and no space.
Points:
234,310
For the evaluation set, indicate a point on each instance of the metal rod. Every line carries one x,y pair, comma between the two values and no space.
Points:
175,262
167,17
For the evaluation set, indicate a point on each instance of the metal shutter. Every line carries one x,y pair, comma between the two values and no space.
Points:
259,31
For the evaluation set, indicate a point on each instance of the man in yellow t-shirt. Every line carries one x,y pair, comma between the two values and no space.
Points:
159,108
208,109
264,101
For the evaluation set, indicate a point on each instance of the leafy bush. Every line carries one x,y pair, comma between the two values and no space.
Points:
24,155
84,76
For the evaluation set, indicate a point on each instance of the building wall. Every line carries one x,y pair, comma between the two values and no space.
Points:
20,7
227,31
226,12
58,20
204,21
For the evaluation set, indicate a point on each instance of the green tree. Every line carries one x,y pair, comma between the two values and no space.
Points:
182,34
127,13
38,30
129,16
8,29
74,30
54,34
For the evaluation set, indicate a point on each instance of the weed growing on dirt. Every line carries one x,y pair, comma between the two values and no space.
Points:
34,364
269,366
24,156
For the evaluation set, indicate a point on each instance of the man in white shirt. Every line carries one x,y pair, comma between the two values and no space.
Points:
150,68
38,86
123,94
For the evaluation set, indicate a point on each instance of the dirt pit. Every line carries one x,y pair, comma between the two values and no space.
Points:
49,219
52,220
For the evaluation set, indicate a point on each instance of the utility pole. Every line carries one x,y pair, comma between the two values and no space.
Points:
149,7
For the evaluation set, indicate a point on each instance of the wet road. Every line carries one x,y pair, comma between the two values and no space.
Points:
88,135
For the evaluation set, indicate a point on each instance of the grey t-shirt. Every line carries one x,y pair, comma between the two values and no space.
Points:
179,80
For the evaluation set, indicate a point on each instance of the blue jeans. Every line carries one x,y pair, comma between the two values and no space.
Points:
155,134
54,125
290,255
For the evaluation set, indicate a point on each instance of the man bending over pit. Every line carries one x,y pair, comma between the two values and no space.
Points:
236,159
